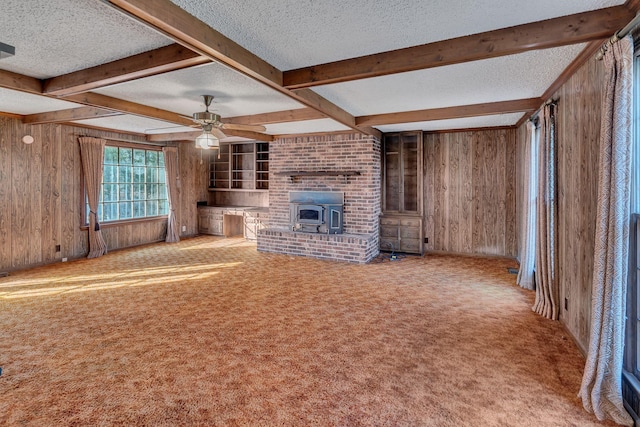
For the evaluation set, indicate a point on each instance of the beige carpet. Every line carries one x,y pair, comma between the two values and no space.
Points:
210,332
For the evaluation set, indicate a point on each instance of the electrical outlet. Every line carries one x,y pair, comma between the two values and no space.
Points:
57,248
426,240
64,259
184,228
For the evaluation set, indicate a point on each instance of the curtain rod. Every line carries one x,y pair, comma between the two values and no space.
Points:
157,144
550,101
618,35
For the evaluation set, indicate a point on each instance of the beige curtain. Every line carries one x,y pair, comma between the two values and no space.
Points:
171,172
92,154
601,389
528,223
546,303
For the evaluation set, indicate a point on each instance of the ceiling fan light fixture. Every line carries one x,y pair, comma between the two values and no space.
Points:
207,140
206,117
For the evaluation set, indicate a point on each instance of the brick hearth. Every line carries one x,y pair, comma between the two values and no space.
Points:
330,153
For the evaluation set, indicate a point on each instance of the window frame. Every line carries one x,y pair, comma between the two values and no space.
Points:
113,223
631,358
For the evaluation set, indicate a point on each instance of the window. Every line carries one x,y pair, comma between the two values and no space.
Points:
133,185
631,367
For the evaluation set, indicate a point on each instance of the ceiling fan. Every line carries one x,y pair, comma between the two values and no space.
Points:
212,126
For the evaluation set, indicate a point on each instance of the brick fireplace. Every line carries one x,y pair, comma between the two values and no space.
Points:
347,163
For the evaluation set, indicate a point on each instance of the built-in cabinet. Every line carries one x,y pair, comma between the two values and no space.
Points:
231,221
240,166
401,220
210,220
254,221
262,165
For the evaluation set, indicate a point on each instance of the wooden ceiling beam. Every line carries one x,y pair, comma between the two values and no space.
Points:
157,61
462,111
19,82
248,134
633,5
173,136
189,31
177,136
11,115
197,36
565,30
126,107
191,136
61,116
286,116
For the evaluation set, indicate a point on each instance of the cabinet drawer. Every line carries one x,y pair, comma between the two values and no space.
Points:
389,221
233,212
389,244
410,245
389,231
410,222
410,233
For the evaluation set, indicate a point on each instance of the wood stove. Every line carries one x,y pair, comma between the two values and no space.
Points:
316,211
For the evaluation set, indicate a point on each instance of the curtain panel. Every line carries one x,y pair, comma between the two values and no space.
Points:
171,171
528,223
92,154
601,389
546,302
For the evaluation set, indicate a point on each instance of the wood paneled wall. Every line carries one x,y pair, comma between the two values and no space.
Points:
579,108
194,185
520,196
41,199
469,192
579,105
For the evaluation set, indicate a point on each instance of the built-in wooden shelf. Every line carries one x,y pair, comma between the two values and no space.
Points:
318,173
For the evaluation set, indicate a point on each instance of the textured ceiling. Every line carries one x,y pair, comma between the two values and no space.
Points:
53,38
15,102
57,37
180,91
292,34
526,75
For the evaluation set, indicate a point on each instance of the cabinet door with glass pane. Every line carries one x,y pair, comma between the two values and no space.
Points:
402,156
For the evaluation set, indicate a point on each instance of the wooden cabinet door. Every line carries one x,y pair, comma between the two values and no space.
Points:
217,227
411,236
401,234
204,224
210,221
389,235
402,173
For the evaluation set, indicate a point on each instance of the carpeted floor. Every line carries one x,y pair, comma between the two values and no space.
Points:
210,332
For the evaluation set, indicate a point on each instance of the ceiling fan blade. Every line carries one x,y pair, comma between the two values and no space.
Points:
164,128
218,133
252,128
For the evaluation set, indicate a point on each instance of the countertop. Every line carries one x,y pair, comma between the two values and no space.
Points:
239,208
